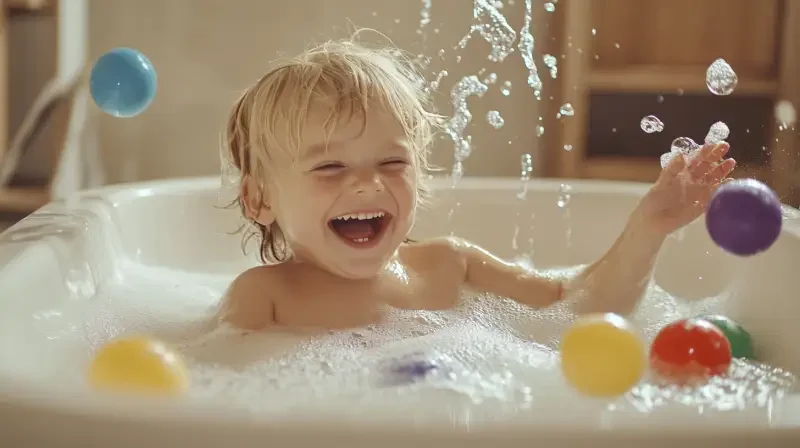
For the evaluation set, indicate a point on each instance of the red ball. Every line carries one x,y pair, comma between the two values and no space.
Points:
690,350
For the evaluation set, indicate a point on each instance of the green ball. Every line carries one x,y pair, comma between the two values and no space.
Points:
740,340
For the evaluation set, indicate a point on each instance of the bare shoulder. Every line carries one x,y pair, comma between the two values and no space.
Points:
249,302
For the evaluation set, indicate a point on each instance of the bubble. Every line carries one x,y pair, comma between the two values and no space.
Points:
549,7
651,124
717,132
720,78
567,110
494,119
785,113
685,145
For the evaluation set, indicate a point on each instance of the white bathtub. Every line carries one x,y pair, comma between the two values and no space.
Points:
55,259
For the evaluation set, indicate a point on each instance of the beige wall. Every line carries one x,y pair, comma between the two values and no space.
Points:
207,51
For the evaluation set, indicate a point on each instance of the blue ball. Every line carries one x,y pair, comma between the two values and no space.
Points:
744,217
123,82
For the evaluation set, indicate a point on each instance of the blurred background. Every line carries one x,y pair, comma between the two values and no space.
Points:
617,61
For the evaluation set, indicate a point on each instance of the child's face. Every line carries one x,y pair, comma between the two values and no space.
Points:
347,206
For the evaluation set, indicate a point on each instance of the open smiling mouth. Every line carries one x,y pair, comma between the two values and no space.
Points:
360,229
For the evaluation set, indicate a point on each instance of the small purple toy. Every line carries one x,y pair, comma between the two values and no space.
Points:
744,217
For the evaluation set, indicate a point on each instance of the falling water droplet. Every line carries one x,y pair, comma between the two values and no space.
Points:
720,78
566,110
493,27
785,113
526,47
564,195
660,98
685,145
651,124
457,125
539,131
718,132
567,147
594,32
526,163
506,90
494,119
551,62
549,7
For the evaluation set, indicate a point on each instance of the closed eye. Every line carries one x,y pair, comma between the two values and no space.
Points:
328,166
395,162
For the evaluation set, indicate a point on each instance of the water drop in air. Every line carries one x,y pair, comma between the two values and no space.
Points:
666,157
549,7
717,132
651,124
785,113
494,119
567,110
564,195
567,147
720,78
685,145
506,90
539,131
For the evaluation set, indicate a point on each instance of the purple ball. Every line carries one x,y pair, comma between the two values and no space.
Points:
744,217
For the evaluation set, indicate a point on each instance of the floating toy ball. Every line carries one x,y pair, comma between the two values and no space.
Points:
744,217
139,365
689,351
602,355
739,339
123,82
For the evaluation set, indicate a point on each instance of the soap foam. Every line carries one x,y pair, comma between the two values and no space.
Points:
494,358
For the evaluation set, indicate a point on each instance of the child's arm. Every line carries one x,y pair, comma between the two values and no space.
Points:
614,283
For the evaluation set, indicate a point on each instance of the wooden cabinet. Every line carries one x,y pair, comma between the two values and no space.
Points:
626,59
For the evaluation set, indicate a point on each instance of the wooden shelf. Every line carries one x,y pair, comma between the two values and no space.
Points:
671,79
648,170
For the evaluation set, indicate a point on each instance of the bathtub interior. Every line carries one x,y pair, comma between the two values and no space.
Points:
153,240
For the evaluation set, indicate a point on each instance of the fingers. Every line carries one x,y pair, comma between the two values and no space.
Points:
720,172
704,161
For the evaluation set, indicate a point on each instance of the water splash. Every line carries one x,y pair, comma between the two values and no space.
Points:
493,27
457,125
526,47
651,124
424,16
526,168
720,78
566,110
490,79
685,145
494,119
434,85
551,63
718,132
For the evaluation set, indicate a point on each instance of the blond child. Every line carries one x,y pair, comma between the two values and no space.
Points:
332,146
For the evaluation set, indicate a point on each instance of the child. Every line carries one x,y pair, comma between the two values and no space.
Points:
332,147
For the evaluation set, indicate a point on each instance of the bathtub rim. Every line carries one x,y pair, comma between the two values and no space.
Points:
49,400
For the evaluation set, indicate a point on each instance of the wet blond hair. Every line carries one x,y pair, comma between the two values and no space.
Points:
346,78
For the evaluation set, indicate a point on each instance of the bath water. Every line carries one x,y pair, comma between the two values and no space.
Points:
494,358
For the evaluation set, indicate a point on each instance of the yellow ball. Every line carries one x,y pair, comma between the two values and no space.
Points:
139,365
602,355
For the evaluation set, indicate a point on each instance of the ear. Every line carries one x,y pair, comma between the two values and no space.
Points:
256,205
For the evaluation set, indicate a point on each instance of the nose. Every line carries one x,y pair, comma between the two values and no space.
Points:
368,183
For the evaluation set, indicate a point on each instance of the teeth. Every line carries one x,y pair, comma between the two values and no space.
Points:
369,215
